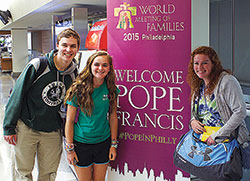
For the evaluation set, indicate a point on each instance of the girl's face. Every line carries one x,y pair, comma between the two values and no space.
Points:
100,67
203,67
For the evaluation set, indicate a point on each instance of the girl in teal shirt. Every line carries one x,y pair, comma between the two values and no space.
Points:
92,141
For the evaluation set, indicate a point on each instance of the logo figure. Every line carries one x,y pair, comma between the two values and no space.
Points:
105,97
125,12
205,154
53,93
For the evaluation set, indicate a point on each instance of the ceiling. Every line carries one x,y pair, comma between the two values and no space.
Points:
41,18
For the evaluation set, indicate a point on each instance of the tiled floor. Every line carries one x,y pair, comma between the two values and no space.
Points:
6,155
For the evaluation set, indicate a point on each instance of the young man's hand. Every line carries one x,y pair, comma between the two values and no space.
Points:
11,139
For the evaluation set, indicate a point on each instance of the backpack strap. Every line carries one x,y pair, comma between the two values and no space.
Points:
43,64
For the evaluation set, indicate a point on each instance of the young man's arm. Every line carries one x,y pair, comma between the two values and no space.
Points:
14,105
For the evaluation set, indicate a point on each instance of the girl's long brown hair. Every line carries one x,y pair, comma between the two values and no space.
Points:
194,81
83,87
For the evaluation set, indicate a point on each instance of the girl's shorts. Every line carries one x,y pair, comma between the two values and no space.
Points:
89,154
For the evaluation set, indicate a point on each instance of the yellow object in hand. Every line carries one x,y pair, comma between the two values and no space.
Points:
209,130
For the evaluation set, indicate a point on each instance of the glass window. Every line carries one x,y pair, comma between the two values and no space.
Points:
229,36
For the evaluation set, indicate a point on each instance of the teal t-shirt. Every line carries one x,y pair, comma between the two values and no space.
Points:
95,128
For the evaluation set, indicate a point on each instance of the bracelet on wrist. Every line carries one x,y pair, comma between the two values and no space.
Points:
69,147
114,145
70,151
114,141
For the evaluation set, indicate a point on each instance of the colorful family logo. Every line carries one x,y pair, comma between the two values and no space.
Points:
124,12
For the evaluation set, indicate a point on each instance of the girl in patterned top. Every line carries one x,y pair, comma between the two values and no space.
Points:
216,98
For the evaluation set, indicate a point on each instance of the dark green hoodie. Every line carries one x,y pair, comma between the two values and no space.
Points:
37,102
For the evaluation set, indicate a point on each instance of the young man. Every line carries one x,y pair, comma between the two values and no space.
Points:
32,122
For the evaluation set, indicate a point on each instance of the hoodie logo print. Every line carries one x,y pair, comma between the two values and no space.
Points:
53,94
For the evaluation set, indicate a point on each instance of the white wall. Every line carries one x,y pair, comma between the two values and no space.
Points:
20,8
19,49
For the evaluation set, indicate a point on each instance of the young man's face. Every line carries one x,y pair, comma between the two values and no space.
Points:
67,49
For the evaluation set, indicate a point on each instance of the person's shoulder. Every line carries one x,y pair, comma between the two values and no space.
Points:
230,77
35,62
229,80
227,76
